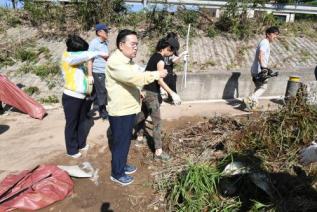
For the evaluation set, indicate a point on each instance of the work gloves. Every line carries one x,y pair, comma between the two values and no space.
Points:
309,154
176,98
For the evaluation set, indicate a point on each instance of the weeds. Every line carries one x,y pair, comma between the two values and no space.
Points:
49,100
45,72
196,190
32,90
277,136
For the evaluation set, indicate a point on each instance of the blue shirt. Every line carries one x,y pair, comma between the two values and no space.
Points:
99,63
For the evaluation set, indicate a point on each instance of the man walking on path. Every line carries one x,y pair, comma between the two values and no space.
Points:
123,80
260,66
97,67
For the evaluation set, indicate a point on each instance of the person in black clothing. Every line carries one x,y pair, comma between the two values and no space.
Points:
152,98
1,108
169,62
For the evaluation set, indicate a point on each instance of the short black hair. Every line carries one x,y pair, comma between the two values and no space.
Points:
75,43
123,34
272,29
162,44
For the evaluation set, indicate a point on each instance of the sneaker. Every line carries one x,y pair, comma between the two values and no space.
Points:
84,149
77,155
124,180
163,157
129,169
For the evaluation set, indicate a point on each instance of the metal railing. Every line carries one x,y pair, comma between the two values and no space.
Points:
282,8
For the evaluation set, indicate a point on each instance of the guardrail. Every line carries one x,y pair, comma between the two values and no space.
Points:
281,8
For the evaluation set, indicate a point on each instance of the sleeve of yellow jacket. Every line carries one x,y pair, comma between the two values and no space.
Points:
129,75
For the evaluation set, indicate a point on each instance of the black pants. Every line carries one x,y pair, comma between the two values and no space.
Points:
121,129
76,128
100,95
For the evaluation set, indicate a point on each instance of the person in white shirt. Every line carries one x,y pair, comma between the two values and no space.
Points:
260,63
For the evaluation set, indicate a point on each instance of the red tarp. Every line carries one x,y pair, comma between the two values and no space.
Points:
12,95
34,189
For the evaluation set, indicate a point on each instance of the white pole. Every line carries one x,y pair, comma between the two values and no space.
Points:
186,59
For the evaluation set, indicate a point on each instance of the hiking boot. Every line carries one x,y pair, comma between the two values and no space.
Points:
129,169
77,155
163,157
124,180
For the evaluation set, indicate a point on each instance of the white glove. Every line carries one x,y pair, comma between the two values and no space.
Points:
185,53
309,154
186,57
176,98
164,94
90,80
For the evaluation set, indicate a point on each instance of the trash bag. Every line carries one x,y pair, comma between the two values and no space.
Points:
12,95
34,189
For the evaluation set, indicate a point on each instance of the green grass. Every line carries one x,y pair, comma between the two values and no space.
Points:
196,190
43,71
49,100
32,90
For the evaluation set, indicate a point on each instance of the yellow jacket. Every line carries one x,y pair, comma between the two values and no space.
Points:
123,80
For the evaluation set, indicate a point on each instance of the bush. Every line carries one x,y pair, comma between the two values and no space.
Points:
212,32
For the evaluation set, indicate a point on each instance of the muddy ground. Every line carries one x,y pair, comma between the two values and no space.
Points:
26,142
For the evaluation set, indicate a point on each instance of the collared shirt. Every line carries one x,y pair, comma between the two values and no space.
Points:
123,80
99,63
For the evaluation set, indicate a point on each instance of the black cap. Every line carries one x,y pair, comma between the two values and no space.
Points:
174,44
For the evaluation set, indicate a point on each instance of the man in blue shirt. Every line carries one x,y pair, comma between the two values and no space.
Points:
97,67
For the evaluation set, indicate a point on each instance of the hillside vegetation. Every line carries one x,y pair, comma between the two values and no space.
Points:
32,38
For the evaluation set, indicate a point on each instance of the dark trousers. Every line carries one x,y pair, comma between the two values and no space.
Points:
100,95
76,129
121,129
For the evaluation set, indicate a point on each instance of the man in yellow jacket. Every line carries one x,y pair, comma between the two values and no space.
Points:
123,83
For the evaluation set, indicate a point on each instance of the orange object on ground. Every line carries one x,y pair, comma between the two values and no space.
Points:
12,95
34,189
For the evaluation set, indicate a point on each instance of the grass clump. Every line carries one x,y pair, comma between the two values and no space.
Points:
45,71
49,100
32,90
196,190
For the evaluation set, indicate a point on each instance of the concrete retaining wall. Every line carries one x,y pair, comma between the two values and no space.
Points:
208,86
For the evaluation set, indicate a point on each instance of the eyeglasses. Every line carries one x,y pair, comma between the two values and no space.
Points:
132,45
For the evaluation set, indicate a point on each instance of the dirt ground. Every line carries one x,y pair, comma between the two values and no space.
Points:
27,142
